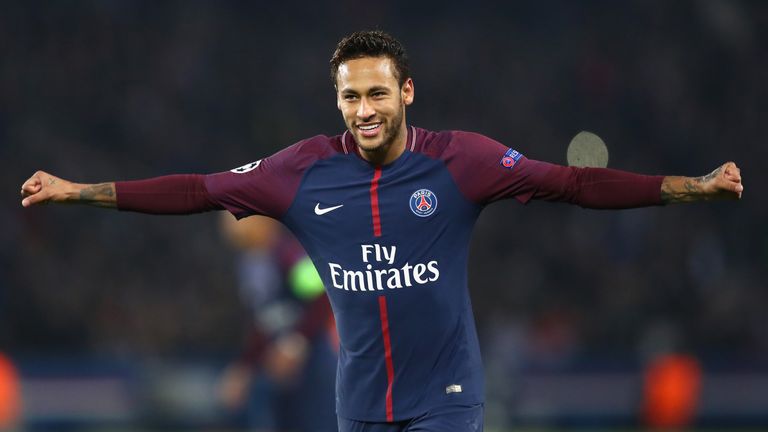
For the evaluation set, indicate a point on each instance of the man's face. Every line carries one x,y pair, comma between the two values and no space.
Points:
372,102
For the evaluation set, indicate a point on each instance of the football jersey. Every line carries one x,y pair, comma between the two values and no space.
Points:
390,244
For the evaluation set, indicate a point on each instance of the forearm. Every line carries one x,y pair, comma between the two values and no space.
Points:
606,188
173,194
597,188
677,189
603,188
99,195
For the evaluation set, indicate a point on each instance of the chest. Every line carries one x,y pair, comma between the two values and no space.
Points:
347,202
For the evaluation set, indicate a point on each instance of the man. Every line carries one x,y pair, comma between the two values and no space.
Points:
385,210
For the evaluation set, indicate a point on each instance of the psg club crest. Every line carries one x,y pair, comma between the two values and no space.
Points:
423,202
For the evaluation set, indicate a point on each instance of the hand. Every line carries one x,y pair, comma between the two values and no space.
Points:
723,183
234,386
284,358
43,187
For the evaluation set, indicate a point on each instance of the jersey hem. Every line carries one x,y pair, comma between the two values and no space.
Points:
410,414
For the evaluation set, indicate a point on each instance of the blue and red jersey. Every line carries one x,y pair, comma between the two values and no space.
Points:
391,244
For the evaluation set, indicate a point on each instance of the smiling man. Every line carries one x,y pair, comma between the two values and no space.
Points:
386,210
372,93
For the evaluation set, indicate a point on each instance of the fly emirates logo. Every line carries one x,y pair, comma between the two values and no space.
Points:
376,279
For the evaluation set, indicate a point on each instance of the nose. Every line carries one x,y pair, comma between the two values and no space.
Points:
365,110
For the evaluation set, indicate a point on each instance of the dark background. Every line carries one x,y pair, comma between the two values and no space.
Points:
105,90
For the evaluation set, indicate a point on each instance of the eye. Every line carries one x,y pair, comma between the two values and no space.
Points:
378,94
350,97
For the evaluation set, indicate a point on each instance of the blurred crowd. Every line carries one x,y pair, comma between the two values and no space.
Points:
108,90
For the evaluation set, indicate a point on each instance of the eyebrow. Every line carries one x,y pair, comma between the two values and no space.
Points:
370,90
378,88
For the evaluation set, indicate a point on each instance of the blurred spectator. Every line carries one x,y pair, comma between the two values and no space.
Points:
672,387
10,394
285,376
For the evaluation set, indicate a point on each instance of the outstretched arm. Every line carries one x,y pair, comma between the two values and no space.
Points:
171,194
602,188
43,188
506,173
722,183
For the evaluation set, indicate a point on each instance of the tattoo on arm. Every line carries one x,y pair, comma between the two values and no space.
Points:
101,195
686,189
680,189
711,175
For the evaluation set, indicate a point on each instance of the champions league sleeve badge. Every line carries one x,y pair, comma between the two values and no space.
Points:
246,168
423,202
510,158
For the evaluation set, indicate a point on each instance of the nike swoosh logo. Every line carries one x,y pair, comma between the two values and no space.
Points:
320,212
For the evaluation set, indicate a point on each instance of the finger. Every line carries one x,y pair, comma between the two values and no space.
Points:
729,172
730,167
32,186
30,190
35,199
733,177
735,187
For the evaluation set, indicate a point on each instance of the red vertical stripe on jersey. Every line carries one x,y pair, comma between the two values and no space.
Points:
375,202
387,355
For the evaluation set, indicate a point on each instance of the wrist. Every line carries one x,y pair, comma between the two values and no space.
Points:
71,192
676,189
100,195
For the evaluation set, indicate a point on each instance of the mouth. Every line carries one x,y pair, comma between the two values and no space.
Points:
369,130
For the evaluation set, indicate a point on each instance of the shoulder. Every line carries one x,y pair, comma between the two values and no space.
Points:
318,146
472,142
429,143
450,143
289,162
306,152
268,186
483,169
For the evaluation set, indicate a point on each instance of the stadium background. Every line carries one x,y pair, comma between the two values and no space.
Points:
123,319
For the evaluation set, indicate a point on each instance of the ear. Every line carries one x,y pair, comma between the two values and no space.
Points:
406,92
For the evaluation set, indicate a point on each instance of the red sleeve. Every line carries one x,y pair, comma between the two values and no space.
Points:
597,188
266,186
173,194
487,171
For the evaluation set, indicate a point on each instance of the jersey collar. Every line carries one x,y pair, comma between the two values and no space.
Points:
349,145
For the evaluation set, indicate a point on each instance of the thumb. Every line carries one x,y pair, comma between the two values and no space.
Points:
37,198
732,188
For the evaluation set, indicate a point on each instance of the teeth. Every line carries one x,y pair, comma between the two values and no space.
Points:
370,127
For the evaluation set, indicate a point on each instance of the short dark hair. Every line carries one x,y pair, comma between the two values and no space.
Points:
372,43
